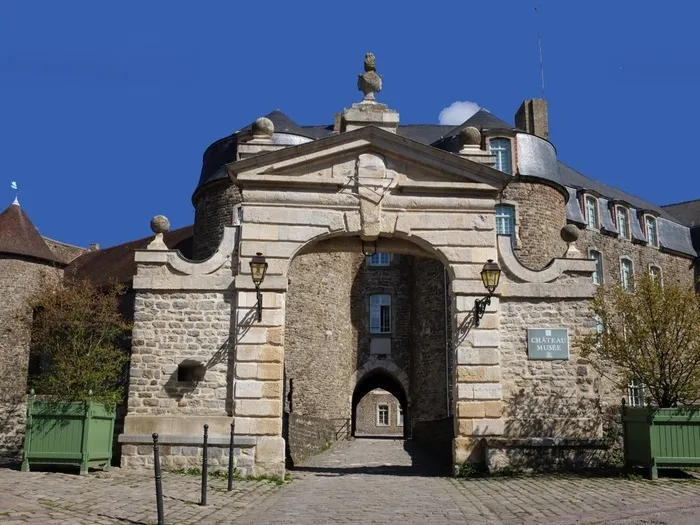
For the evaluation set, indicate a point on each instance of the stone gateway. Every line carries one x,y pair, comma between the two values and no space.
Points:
374,235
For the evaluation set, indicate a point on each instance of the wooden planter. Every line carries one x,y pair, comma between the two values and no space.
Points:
68,433
661,437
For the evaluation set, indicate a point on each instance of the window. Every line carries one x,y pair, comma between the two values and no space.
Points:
382,415
592,213
651,231
623,222
635,393
655,273
505,220
380,314
626,274
598,258
399,416
379,259
501,149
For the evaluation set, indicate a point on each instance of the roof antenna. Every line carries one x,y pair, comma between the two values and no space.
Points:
13,185
539,43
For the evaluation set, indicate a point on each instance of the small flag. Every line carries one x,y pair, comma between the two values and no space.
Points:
13,185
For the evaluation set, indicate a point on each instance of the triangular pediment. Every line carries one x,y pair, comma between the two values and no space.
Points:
334,160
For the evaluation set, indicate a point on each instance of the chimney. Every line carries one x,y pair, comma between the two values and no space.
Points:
532,117
337,122
93,247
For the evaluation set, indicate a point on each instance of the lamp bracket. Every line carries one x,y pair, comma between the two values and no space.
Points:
480,308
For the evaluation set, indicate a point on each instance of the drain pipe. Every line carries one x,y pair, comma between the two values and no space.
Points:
447,344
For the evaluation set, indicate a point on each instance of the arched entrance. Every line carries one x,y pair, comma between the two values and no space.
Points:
382,413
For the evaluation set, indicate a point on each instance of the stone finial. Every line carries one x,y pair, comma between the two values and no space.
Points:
159,225
570,234
470,136
263,128
369,82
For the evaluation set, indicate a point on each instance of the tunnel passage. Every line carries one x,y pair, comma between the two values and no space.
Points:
381,384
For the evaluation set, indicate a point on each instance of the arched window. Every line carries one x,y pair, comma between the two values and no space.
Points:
655,273
380,314
598,258
592,212
501,148
505,220
651,230
626,274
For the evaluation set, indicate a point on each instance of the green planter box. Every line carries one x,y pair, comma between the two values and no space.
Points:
68,433
661,437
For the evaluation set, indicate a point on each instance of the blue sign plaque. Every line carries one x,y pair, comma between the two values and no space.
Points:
548,343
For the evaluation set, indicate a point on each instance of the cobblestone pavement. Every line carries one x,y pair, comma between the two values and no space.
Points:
363,481
387,481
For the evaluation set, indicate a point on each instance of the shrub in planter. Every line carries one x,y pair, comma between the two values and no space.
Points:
651,336
78,360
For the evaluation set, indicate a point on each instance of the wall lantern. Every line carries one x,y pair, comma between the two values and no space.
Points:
490,275
258,267
369,248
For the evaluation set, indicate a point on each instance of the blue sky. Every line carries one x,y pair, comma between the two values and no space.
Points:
107,107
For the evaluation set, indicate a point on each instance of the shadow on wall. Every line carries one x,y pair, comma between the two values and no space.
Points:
555,432
13,411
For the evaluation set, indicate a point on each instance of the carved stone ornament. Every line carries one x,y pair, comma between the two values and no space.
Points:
159,225
369,82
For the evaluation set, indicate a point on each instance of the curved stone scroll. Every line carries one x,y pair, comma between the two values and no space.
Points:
551,273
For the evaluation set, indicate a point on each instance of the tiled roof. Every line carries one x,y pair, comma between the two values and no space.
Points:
117,262
18,236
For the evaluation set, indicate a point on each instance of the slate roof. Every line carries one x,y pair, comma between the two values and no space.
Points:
687,212
117,262
18,236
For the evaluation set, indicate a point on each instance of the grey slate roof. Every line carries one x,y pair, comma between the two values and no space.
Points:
686,212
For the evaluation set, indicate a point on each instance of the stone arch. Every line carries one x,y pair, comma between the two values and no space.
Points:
384,366
380,377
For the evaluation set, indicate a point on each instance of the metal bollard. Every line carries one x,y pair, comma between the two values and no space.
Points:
230,458
204,466
159,480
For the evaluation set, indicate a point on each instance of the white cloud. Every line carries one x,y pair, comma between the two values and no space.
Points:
458,112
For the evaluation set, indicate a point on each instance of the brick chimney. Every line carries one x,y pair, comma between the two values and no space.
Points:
532,117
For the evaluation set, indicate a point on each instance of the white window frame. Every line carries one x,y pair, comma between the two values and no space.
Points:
502,215
635,393
381,303
653,267
596,207
630,284
379,260
599,267
399,416
628,234
653,219
380,406
499,165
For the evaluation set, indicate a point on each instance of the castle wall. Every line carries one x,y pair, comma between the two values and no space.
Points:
19,278
366,416
540,216
214,209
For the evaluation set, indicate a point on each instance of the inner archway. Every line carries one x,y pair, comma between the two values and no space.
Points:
379,406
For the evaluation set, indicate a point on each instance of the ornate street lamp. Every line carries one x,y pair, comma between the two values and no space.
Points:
258,267
490,275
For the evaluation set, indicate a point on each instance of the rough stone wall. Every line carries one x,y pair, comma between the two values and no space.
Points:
540,216
366,415
190,457
214,208
430,395
321,332
19,278
308,436
558,398
169,329
673,267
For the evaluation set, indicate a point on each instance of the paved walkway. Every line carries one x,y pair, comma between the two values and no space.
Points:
367,481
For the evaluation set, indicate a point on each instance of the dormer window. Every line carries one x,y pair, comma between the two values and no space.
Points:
592,220
651,230
623,221
500,147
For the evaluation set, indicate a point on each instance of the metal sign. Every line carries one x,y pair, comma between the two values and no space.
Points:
548,343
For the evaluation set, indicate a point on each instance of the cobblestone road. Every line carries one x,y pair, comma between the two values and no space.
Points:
363,481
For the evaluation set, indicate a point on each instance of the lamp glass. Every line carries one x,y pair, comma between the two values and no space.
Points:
490,275
258,267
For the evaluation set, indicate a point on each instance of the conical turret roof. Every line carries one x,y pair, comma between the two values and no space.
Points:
18,236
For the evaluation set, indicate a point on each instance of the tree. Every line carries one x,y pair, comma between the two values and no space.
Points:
78,338
651,336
